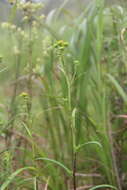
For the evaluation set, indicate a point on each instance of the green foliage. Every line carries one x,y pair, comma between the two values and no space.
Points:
63,86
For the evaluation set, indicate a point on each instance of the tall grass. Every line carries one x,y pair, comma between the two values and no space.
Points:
63,101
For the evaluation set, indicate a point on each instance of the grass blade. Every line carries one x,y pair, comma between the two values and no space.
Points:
57,163
103,186
13,175
118,87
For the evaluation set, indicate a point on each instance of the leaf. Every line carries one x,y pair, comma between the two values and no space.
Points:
50,17
74,113
118,87
61,8
57,163
27,129
35,183
13,175
91,142
103,186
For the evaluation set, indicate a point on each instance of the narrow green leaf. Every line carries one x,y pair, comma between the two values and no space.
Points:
103,186
35,183
118,87
13,175
84,144
27,129
57,163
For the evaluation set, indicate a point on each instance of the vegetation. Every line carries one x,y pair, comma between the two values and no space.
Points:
63,98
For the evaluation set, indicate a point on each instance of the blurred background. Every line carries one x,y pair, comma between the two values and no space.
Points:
75,5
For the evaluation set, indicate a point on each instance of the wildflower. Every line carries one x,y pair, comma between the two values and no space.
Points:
60,46
29,7
61,43
24,95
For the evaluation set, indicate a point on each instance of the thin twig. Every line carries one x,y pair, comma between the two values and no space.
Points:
74,171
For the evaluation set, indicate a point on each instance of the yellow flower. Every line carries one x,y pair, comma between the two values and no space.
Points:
61,44
24,95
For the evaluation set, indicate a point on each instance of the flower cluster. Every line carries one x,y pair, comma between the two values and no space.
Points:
60,46
29,6
29,9
24,95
